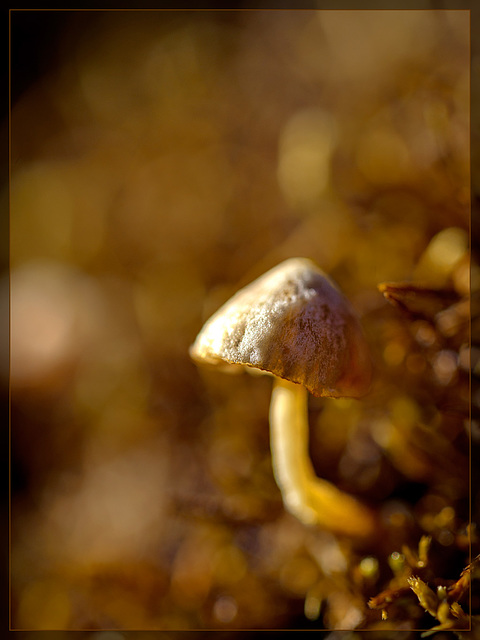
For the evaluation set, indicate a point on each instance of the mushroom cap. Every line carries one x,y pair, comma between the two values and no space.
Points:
294,323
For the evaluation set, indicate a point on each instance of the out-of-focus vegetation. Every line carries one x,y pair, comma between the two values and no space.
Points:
163,161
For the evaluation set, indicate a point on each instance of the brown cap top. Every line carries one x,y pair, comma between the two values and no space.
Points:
294,323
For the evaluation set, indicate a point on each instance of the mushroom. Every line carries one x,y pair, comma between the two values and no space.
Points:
294,324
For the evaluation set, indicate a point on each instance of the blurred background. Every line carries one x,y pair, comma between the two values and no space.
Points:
159,161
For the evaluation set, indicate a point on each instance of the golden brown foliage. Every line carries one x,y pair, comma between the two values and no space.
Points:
160,162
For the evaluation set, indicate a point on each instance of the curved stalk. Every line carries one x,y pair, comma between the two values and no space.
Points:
310,498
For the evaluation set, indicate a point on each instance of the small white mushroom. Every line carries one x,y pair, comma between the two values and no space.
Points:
294,324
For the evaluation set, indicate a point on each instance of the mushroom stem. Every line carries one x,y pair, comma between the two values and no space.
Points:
310,498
